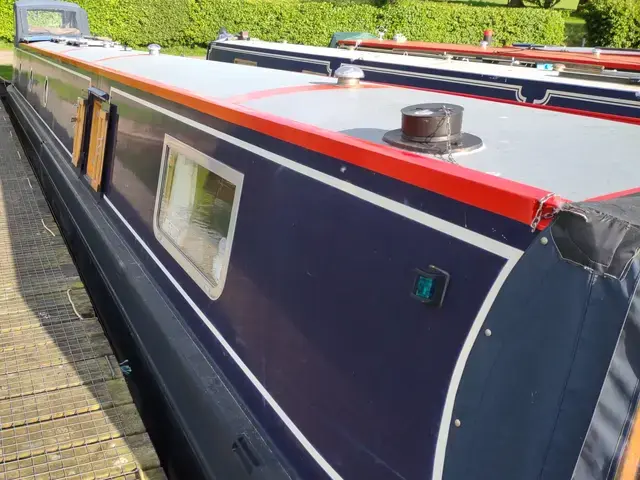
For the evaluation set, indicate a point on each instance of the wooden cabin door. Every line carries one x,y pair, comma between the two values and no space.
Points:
97,142
78,131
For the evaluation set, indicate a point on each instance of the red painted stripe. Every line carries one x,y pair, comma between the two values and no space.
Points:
272,92
609,196
608,60
495,194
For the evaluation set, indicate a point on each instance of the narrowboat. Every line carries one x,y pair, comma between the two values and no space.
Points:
543,78
327,278
626,60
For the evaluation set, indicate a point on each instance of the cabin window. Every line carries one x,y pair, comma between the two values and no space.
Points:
52,22
196,209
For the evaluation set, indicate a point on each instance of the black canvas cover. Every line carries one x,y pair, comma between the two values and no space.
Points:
552,391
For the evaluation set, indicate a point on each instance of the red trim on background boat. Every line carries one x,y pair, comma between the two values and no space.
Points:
571,111
272,92
609,196
498,195
608,60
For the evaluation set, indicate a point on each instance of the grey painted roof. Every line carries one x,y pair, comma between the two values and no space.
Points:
574,156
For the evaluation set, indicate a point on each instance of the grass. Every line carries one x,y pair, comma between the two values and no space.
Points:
5,45
6,72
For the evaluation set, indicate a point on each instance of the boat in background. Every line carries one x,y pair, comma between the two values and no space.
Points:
529,76
316,277
600,58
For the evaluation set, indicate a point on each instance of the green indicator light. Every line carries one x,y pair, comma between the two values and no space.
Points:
424,287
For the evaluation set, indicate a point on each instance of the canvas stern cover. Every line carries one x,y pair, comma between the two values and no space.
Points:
553,392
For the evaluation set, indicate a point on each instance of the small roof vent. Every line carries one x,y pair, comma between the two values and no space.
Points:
433,128
154,49
349,75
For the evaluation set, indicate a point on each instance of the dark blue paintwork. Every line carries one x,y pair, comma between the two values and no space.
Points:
317,300
496,87
486,223
317,303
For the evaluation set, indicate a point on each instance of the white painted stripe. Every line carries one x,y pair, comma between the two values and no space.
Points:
324,63
451,229
515,89
454,384
591,98
236,358
505,251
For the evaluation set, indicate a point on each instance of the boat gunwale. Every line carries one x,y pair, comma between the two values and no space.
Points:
511,199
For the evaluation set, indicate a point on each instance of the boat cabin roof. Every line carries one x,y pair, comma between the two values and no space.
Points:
575,156
446,65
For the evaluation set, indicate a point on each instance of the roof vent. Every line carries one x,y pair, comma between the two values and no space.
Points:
434,128
154,49
349,75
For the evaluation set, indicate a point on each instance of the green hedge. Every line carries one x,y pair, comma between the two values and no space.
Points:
134,22
457,23
310,23
313,22
196,22
6,20
138,22
613,23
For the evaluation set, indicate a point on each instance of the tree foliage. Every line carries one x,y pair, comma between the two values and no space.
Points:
613,23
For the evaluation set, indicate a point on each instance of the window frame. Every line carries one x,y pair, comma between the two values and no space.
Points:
61,11
218,168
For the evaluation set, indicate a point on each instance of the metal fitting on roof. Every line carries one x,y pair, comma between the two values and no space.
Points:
349,75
